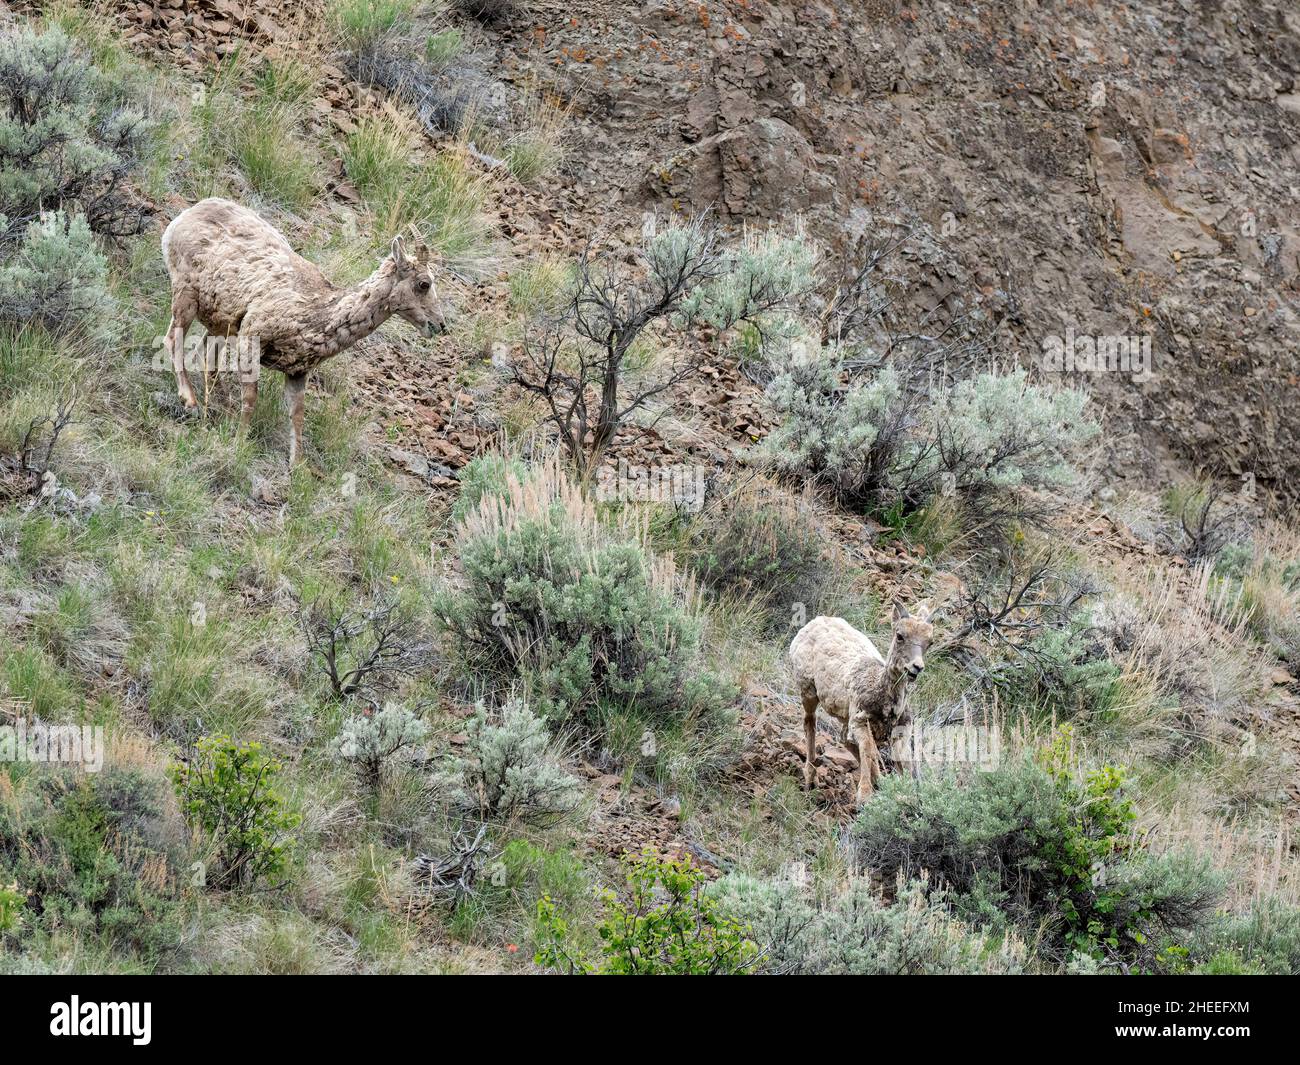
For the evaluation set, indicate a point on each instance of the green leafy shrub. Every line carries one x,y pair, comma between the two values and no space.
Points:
855,933
511,768
1041,845
584,617
371,739
228,791
57,277
94,858
668,925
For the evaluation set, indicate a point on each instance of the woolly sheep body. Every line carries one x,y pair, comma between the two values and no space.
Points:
240,268
839,669
236,274
828,655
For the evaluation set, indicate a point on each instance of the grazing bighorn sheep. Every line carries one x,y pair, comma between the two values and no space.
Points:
237,275
839,668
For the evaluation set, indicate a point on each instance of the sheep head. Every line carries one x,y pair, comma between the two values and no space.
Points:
912,635
414,296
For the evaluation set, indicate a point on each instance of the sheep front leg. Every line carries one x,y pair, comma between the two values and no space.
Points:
295,391
248,401
868,761
850,744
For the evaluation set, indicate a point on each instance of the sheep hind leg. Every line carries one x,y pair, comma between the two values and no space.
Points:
184,311
295,390
810,737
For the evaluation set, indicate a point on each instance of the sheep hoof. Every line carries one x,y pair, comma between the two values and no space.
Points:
173,405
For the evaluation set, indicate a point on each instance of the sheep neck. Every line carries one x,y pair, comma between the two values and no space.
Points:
884,685
359,311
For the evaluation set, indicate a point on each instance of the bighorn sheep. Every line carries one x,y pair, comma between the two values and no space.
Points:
237,275
839,668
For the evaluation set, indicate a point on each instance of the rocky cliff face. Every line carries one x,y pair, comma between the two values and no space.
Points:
1068,169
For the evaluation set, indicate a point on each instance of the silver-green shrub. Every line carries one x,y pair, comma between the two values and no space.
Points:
585,618
511,768
855,932
371,739
57,277
881,438
69,135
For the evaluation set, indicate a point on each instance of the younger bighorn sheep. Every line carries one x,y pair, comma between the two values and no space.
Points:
839,669
237,275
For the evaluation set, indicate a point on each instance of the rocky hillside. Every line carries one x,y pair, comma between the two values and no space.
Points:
1112,171
1118,169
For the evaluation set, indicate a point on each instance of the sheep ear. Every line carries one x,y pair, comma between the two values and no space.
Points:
922,612
900,612
398,252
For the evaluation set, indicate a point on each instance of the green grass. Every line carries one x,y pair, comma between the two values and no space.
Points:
539,285
284,80
442,47
439,197
358,23
255,120
274,161
43,689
